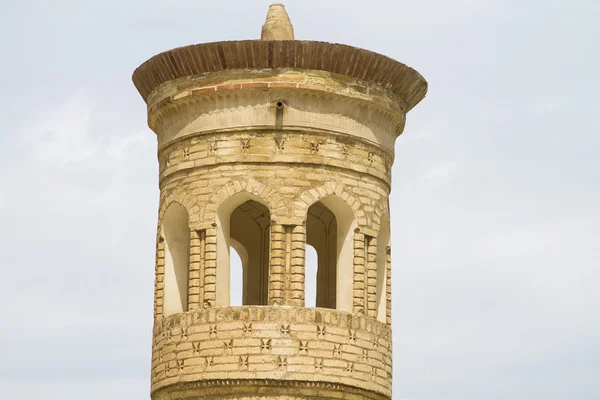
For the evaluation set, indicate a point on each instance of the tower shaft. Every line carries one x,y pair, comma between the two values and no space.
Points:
267,147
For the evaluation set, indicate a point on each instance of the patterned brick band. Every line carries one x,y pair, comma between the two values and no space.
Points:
264,343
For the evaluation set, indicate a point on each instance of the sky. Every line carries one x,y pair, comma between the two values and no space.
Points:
495,198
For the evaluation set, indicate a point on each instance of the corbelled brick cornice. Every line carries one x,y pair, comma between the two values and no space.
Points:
400,79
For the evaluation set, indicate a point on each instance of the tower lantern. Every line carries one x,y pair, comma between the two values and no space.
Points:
266,147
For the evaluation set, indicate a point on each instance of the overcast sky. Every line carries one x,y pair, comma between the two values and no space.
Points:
495,200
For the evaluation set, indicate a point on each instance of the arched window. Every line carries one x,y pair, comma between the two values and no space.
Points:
176,233
330,227
383,241
244,224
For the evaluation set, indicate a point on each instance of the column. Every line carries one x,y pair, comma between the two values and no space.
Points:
359,273
159,280
371,267
210,266
277,267
297,269
388,285
196,275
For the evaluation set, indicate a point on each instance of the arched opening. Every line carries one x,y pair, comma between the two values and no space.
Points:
310,273
383,241
176,233
330,227
243,224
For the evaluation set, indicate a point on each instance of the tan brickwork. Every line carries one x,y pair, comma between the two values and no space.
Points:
278,261
159,277
265,131
388,285
371,278
249,343
210,267
196,279
359,288
297,259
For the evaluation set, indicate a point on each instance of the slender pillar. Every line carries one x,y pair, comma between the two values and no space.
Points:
159,282
277,268
297,269
360,252
388,285
371,297
210,267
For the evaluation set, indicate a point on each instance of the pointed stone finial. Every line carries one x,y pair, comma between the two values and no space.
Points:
278,25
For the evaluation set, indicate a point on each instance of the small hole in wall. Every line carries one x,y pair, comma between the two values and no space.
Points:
280,104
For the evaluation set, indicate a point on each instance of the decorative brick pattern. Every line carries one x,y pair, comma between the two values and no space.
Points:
285,343
286,124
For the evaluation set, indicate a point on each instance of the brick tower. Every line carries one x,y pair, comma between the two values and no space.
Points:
269,146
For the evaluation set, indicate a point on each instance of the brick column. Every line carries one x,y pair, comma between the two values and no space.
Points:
371,267
388,285
277,267
210,266
196,284
159,280
297,260
359,273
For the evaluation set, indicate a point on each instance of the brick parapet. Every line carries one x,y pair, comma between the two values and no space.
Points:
291,344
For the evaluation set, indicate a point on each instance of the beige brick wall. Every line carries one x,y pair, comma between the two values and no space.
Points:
255,342
223,134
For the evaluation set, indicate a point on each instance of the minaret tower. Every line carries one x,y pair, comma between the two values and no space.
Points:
269,146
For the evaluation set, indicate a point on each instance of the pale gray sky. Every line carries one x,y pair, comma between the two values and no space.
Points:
495,204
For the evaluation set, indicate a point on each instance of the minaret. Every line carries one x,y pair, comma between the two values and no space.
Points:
267,147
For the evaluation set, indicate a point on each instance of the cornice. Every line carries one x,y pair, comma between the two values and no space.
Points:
402,81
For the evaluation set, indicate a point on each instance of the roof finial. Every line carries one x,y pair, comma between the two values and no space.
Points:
278,25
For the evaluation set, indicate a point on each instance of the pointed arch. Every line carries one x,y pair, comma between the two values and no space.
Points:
263,193
330,225
243,222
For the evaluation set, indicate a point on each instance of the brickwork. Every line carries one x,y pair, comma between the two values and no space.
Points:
297,258
282,124
210,267
371,276
278,261
295,344
159,277
196,279
388,286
